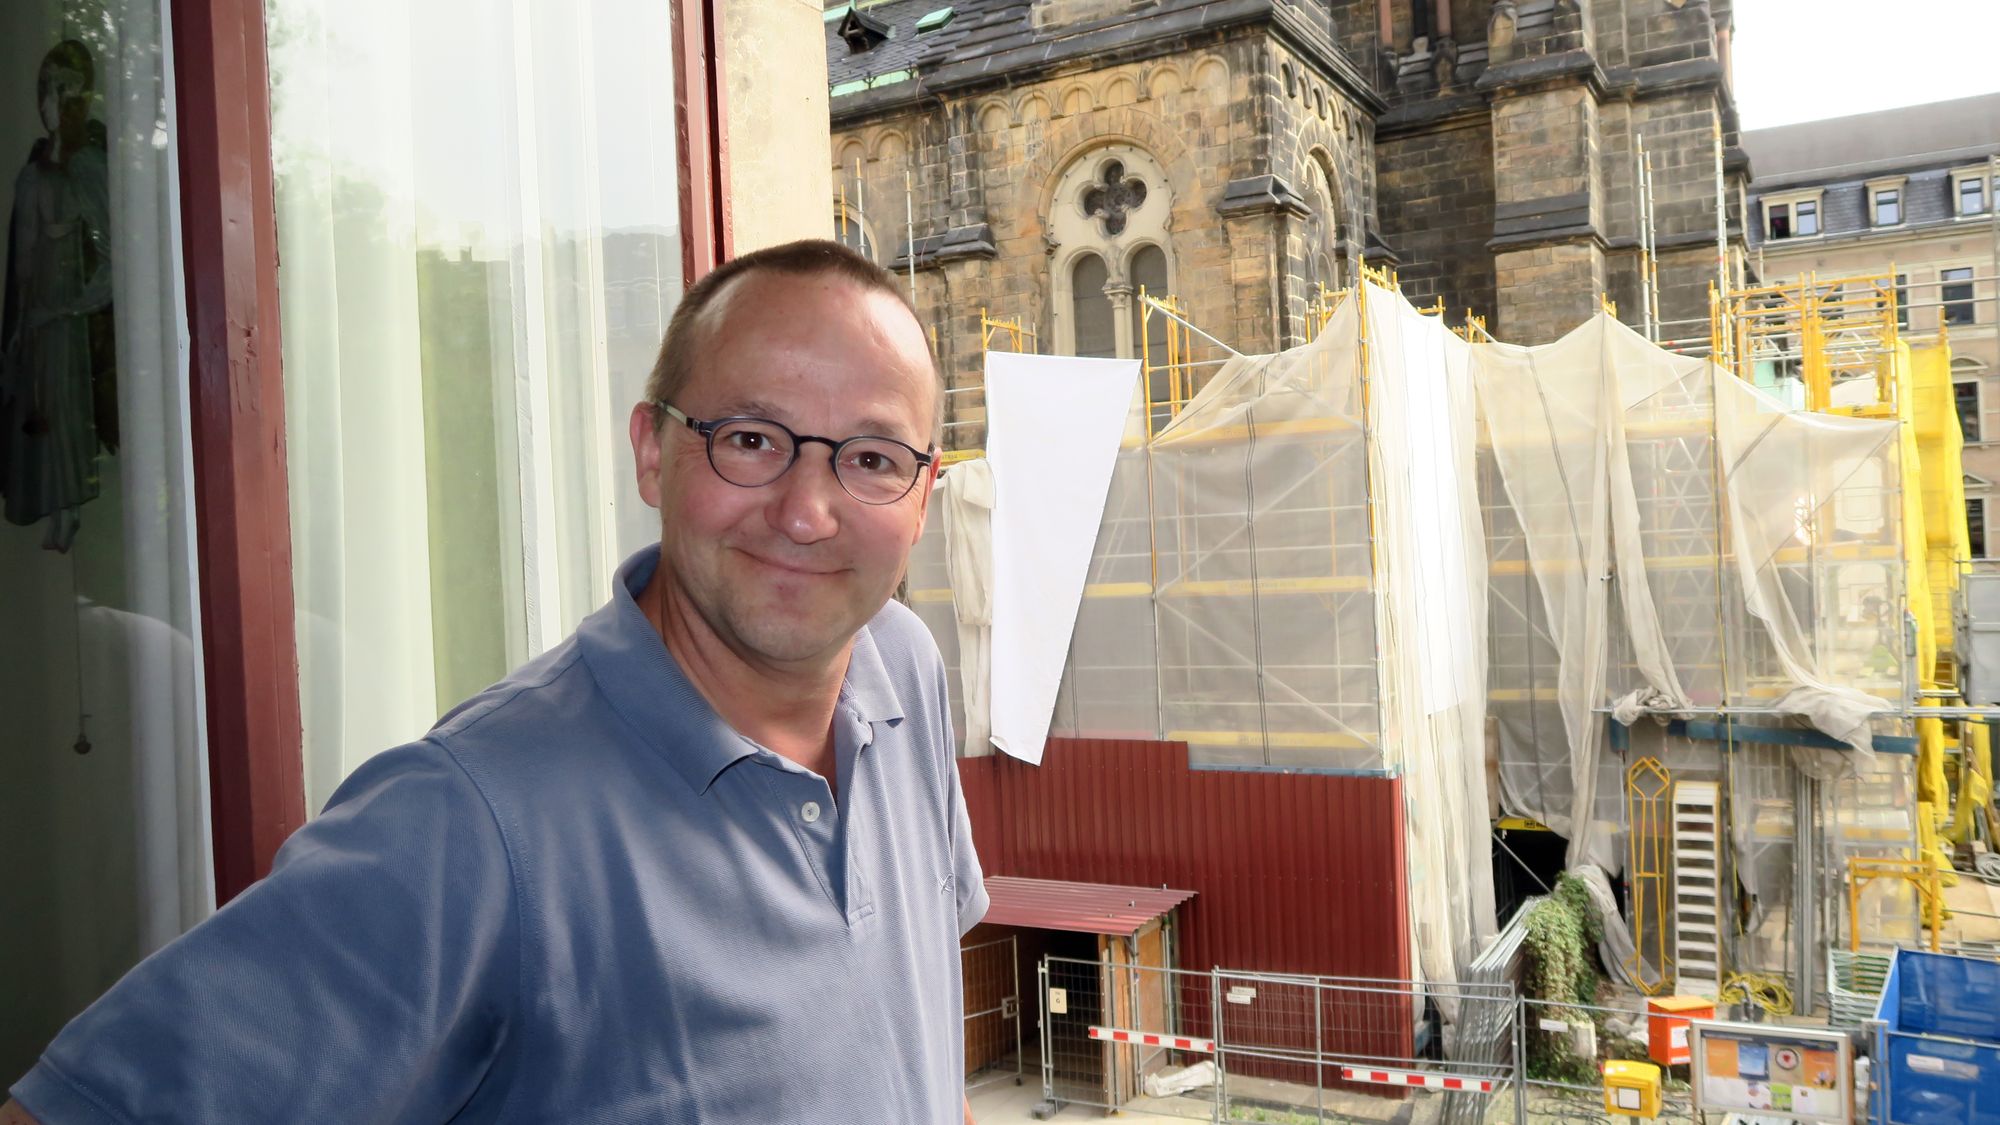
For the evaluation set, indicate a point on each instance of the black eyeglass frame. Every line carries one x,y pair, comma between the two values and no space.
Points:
708,427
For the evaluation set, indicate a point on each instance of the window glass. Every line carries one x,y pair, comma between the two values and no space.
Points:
1095,334
1958,297
1888,207
1781,220
103,789
1975,526
849,232
462,202
1902,301
1149,270
1971,196
1966,396
1808,212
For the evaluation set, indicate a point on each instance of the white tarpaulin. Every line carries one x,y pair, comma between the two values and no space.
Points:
967,495
1053,425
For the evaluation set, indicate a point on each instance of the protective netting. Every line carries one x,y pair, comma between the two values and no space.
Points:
1378,551
1694,545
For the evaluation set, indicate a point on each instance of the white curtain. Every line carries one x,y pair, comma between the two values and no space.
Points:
478,226
108,850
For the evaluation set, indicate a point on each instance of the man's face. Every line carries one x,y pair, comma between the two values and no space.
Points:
790,571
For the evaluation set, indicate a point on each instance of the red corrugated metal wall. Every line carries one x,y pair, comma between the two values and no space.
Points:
1296,873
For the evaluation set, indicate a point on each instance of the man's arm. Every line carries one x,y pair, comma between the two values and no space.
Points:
13,1114
365,978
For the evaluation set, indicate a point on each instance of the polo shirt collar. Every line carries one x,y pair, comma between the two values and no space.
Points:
647,688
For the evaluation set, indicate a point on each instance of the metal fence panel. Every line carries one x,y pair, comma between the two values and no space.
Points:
1113,1031
1273,1047
992,1013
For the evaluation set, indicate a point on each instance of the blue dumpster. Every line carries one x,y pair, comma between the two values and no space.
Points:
1937,1057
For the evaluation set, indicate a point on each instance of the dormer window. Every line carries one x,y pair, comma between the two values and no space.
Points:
861,30
1792,216
1885,202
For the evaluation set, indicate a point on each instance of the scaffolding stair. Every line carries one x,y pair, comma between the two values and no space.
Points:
1697,866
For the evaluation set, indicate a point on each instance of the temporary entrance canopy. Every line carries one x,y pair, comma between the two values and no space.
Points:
1084,908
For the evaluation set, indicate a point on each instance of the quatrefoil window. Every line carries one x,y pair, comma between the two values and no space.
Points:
1114,197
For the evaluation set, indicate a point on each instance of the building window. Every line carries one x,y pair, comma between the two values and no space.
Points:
1966,396
1095,333
1902,301
1794,218
849,231
1975,526
1148,271
1971,196
1888,207
1958,295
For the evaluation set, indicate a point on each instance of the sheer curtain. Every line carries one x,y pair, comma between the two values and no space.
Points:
108,848
478,224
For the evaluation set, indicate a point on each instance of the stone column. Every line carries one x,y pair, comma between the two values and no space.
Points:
1548,242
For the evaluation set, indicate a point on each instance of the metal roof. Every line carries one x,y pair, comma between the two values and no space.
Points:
1084,908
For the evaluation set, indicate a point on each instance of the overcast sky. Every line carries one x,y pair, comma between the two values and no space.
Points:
1801,60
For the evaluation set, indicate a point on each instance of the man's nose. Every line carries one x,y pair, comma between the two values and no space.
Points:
805,503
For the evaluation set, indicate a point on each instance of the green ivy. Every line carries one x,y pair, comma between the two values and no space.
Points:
1563,929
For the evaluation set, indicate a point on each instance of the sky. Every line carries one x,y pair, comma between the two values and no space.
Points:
1802,60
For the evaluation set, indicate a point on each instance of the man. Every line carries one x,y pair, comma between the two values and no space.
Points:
707,860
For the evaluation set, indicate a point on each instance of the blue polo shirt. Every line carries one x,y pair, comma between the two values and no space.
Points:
582,897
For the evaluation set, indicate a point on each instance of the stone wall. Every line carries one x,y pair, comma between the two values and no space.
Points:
1504,183
1219,120
1437,213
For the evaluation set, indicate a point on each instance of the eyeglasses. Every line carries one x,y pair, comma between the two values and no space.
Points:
753,452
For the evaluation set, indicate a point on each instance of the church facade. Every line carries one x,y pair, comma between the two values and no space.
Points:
1047,160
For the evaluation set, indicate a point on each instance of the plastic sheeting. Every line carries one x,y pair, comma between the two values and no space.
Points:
1431,616
1233,599
1693,544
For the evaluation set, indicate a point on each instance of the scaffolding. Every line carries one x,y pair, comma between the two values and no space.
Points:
1239,601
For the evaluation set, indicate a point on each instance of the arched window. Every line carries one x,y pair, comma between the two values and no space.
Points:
1321,230
1148,270
1108,202
1095,333
849,232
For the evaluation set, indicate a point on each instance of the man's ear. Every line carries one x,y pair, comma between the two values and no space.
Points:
925,486
646,442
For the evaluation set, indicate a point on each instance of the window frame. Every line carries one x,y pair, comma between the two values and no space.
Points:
1876,190
1980,175
1978,385
1983,548
219,102
1970,301
1790,200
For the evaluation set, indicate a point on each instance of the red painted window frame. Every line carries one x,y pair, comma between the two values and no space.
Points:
236,383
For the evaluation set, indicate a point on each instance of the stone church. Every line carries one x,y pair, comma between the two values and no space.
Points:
1043,160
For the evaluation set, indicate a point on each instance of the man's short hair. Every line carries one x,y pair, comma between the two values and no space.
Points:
692,322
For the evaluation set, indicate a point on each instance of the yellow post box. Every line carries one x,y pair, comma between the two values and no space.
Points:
1631,1089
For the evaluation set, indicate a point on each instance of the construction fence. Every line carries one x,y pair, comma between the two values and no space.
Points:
1243,1046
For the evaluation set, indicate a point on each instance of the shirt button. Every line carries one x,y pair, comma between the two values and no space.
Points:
809,812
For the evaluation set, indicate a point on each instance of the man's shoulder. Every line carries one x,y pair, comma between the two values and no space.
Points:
545,690
903,638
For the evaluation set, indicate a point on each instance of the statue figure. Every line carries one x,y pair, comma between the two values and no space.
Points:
58,366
